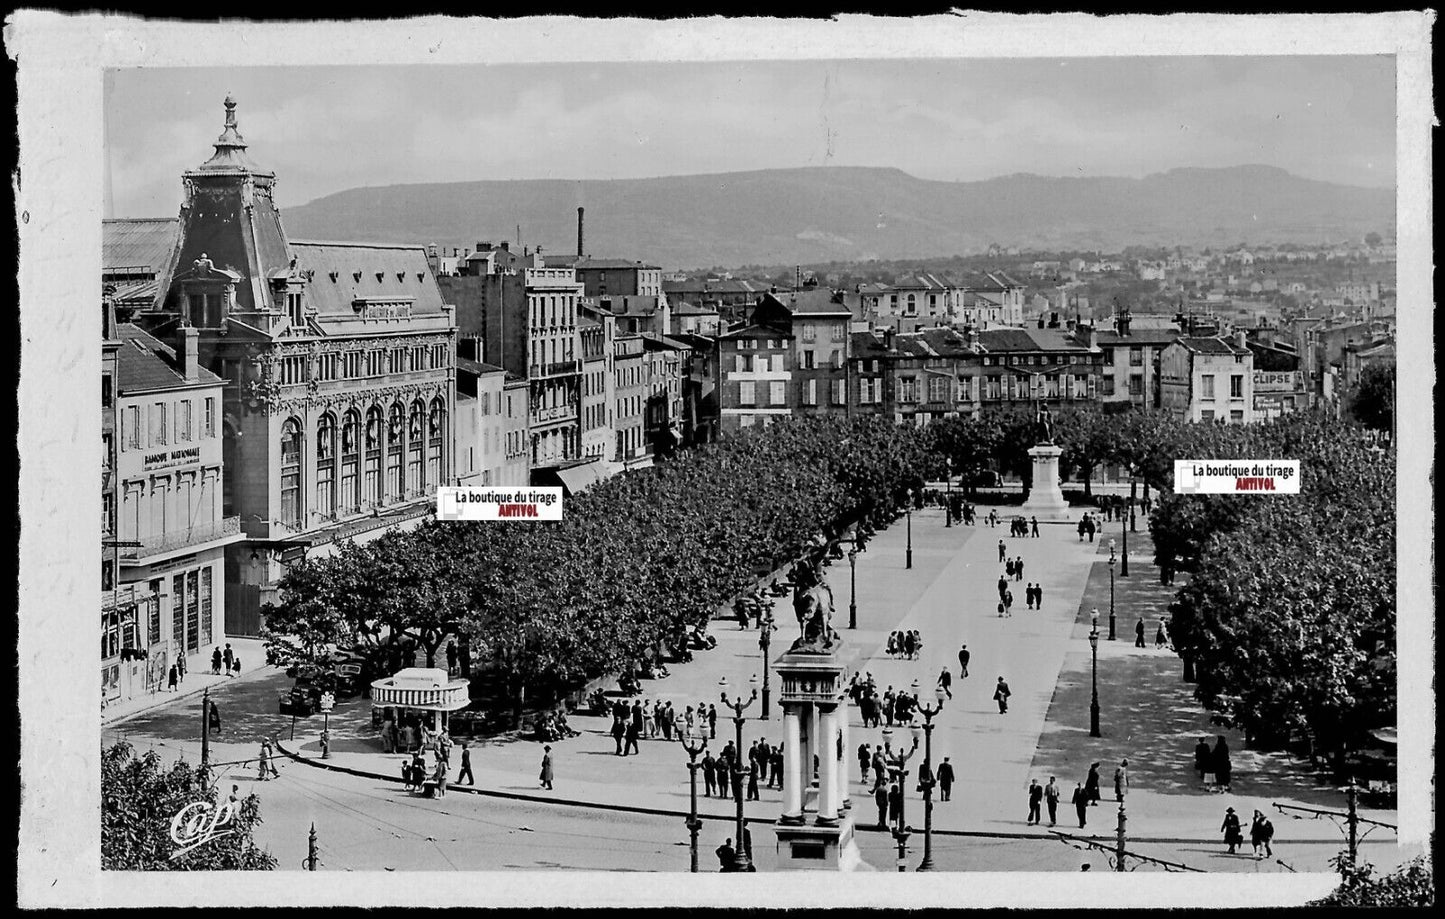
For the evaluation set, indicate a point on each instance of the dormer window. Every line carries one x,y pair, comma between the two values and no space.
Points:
294,309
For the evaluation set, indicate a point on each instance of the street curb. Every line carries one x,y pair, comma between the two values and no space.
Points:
664,812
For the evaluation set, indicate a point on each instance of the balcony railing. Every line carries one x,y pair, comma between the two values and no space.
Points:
555,369
180,539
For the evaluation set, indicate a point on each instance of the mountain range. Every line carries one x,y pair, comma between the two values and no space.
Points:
811,215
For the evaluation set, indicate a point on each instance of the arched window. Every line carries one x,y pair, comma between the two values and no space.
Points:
415,440
326,465
375,436
350,497
912,304
436,437
291,473
395,435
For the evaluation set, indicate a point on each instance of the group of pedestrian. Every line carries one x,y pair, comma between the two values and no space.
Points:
1034,596
905,643
1161,635
1087,527
1014,568
646,719
227,659
1261,833
726,777
1047,795
1024,527
177,674
1213,765
727,855
265,767
1005,597
876,709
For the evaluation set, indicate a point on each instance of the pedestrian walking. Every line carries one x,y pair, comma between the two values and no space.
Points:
1256,833
1038,596
236,665
216,661
776,761
215,718
1091,784
634,729
1121,780
945,682
880,798
712,722
466,768
864,761
945,779
1202,759
753,781
545,776
1081,527
1233,837
181,667
440,775
709,775
963,657
1019,568
1000,609
1160,639
880,767
1222,766
1008,568
895,802
172,679
227,655
1000,695
1139,634
888,706
1080,800
1266,835
618,732
1008,602
1002,586
1036,797
1002,549
1051,800
1034,523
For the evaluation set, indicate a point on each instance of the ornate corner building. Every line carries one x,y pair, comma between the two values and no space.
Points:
338,363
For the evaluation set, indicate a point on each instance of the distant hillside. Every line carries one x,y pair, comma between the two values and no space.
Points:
824,213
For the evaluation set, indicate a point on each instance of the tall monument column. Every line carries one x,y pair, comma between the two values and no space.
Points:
792,760
827,765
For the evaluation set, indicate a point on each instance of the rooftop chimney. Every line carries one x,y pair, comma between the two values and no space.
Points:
188,352
505,245
1242,340
580,250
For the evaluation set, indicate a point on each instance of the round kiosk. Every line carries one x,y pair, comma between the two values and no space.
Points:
415,702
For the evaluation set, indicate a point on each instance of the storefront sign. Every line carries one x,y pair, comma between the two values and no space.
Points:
164,460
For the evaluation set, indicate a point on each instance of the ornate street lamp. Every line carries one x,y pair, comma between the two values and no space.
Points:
898,767
948,501
853,586
694,745
1124,559
765,640
910,529
1111,590
1094,647
741,861
928,714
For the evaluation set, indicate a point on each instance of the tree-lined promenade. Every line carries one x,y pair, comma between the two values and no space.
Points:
1288,619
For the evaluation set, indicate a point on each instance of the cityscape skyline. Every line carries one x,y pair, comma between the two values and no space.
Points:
329,129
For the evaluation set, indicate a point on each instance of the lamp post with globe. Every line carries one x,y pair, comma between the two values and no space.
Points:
1111,589
928,714
1094,703
741,860
898,767
694,744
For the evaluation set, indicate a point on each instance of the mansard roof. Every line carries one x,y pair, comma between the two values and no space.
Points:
343,277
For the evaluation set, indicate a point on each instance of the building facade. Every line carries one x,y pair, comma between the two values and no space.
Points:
1208,380
339,362
1131,363
171,530
630,392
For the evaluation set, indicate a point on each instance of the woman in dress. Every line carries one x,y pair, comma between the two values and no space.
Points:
1091,784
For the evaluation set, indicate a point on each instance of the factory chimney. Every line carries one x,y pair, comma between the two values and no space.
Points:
580,251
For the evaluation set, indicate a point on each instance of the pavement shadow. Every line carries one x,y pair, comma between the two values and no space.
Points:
1147,712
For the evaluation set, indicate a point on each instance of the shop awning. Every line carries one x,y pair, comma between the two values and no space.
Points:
577,478
421,688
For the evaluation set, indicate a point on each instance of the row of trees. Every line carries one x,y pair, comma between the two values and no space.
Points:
1289,617
635,562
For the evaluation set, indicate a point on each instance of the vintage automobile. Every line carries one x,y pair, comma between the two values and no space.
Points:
303,699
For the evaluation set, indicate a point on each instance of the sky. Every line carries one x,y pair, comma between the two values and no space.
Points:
327,129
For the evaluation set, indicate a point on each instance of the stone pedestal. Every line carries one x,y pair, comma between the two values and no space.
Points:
1045,499
815,830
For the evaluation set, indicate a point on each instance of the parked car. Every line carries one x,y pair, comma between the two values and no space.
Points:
301,700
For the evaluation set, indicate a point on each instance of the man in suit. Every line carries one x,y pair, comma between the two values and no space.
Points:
963,656
466,770
1036,797
880,797
1001,693
726,855
1080,800
945,779
709,775
1139,634
1051,800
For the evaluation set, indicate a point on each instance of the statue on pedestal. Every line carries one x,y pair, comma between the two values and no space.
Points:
813,605
1045,424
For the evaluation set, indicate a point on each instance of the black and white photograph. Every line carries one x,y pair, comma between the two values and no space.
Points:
962,444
